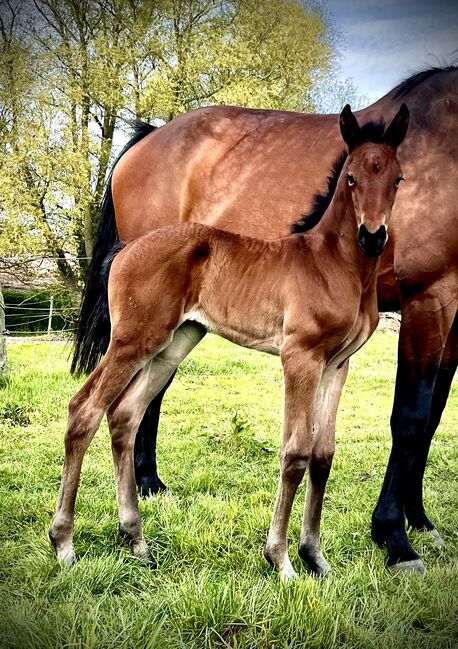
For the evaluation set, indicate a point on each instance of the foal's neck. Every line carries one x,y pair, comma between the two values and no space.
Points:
339,228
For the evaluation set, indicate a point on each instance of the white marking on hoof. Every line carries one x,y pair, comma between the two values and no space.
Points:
288,574
322,570
414,565
66,555
438,540
140,549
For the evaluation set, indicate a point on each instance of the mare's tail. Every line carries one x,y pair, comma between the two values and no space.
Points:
93,328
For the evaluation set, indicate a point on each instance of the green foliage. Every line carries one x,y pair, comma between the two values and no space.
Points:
71,73
212,587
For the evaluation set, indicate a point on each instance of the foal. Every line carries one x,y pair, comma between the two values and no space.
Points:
310,298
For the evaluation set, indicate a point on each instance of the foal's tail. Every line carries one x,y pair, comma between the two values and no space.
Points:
93,328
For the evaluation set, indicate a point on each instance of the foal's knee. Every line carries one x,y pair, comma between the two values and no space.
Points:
293,464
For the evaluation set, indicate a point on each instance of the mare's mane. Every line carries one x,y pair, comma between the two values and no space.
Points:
416,79
370,132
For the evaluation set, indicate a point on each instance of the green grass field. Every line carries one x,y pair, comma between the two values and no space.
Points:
212,587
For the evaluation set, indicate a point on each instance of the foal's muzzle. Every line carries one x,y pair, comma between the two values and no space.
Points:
372,243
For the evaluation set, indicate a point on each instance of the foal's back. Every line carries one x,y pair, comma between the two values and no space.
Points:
238,286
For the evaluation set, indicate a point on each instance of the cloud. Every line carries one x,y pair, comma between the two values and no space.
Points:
385,41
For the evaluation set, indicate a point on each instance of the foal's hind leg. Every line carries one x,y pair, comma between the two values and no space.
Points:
320,462
124,418
86,410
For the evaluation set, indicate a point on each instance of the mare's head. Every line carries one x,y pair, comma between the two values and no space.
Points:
372,175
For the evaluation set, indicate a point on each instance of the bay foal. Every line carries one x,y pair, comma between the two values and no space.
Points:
309,297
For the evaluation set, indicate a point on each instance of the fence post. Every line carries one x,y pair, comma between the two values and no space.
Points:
3,357
51,304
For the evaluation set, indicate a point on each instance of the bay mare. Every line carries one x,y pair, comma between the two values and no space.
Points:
311,298
255,172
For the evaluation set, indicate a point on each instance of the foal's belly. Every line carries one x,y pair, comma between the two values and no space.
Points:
268,341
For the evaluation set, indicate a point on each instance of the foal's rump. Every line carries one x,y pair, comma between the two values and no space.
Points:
156,278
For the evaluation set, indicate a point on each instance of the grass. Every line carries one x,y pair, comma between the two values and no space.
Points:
218,445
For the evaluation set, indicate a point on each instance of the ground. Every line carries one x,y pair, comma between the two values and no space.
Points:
217,452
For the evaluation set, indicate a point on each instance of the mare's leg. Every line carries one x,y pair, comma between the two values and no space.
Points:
86,410
320,462
301,376
146,477
426,322
124,417
414,508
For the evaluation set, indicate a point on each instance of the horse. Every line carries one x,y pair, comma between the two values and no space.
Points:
254,172
309,297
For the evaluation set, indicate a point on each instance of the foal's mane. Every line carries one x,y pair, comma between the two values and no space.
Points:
370,132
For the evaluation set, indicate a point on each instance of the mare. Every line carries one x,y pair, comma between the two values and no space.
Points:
309,297
255,172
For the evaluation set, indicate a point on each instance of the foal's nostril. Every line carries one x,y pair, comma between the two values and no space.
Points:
372,243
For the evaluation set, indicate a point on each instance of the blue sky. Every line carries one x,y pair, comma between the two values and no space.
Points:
384,41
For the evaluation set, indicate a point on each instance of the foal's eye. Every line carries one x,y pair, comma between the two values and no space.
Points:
350,180
398,180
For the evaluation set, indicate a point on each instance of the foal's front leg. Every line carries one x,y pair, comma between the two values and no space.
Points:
327,402
301,378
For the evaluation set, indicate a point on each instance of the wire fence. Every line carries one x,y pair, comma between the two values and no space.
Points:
45,318
22,319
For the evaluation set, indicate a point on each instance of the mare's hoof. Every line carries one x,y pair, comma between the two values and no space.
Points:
438,540
150,486
413,565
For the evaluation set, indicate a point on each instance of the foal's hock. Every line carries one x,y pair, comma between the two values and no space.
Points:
311,298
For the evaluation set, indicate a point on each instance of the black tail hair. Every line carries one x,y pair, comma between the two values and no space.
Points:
93,328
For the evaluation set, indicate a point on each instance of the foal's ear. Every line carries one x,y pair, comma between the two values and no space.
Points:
396,131
349,128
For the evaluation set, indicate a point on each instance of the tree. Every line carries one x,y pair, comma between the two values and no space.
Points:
73,72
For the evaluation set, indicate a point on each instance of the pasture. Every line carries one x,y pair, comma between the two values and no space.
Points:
218,443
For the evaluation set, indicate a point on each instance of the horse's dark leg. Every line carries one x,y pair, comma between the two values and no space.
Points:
425,328
148,482
414,509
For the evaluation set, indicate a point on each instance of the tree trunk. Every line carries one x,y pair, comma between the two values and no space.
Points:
3,358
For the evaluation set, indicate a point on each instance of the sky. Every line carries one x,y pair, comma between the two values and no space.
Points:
385,41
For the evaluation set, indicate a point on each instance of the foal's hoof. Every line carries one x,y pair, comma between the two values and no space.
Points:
140,549
287,574
413,565
65,552
315,561
67,556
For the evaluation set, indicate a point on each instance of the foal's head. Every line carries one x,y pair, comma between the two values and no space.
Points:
373,174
